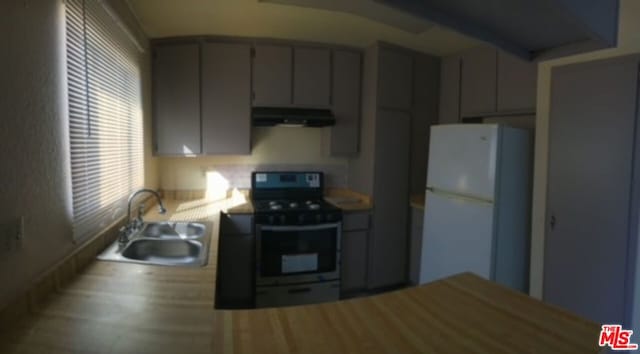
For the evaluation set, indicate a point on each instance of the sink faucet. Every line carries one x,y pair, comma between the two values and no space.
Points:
130,226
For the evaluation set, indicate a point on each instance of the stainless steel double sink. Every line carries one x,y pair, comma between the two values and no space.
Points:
164,243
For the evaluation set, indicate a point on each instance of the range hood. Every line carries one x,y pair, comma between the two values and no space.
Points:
291,117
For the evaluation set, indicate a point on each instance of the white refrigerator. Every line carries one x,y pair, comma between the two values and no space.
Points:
477,205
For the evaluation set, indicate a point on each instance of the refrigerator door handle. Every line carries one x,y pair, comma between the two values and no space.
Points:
453,195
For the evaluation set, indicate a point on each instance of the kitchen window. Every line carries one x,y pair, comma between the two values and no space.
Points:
105,115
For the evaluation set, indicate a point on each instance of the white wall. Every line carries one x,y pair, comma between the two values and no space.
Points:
628,42
34,155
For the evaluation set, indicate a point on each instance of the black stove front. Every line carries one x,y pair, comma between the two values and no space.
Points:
298,238
291,198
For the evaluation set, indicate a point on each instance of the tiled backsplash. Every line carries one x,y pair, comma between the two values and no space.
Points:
239,176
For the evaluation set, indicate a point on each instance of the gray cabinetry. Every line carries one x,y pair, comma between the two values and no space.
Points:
517,80
312,77
236,262
346,78
226,98
176,97
388,151
391,195
395,75
355,240
593,190
450,90
272,75
478,82
483,82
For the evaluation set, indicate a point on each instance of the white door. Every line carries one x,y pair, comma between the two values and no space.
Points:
457,237
463,159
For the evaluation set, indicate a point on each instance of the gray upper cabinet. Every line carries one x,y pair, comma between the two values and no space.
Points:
226,98
176,97
395,79
517,80
272,75
346,102
312,77
478,82
449,90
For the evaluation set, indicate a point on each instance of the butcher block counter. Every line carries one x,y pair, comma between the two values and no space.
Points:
131,308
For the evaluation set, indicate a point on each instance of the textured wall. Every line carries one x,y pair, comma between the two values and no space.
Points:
34,177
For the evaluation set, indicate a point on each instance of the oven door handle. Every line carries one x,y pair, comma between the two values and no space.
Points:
300,227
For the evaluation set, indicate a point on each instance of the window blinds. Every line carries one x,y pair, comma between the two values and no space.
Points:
105,116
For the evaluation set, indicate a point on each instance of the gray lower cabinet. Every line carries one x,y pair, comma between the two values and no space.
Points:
226,98
272,75
176,99
450,90
346,81
593,196
236,262
517,82
478,82
311,77
354,254
415,244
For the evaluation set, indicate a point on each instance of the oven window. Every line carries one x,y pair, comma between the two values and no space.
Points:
297,252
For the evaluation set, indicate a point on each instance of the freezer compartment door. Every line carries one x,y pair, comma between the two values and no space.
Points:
457,237
463,159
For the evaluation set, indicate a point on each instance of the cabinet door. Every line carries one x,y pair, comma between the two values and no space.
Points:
272,75
450,90
235,271
176,96
226,98
395,79
388,257
346,102
591,154
312,77
478,82
517,80
354,260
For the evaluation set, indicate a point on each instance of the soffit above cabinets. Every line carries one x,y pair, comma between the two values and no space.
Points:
368,9
529,29
356,23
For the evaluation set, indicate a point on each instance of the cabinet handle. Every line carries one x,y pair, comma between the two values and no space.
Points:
299,290
552,222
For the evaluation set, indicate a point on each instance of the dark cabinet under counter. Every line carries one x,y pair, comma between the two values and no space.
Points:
236,262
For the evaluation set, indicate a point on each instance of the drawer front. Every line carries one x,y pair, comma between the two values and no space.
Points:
303,294
355,221
236,224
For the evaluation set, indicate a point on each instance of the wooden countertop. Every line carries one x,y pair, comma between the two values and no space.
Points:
460,314
417,200
130,308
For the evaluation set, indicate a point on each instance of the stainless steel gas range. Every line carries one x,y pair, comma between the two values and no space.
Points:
297,239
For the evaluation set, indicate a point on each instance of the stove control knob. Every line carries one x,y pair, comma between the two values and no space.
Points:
319,218
270,220
301,219
283,219
329,217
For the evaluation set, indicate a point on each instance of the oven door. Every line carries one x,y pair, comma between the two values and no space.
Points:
297,254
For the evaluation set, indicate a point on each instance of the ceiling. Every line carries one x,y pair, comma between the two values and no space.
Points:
325,21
